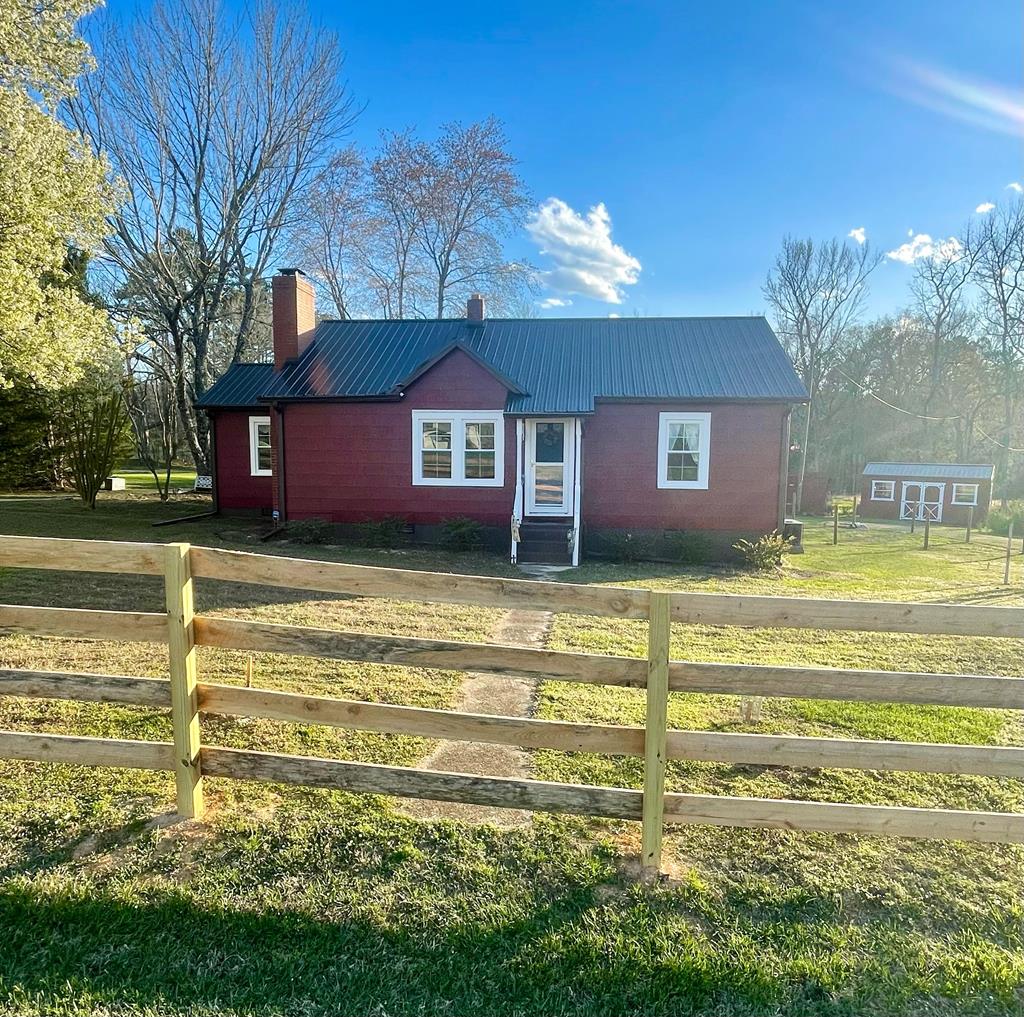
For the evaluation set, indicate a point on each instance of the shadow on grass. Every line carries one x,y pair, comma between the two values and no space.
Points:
166,952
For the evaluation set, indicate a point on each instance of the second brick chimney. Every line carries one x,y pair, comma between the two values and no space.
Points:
475,307
293,313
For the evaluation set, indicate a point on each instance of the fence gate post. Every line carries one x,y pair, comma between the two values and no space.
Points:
184,701
656,728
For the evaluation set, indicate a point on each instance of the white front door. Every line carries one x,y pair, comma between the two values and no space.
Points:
549,460
922,501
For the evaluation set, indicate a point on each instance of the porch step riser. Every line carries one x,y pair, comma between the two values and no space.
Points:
532,557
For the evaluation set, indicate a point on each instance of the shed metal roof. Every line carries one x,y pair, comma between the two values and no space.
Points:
240,387
930,470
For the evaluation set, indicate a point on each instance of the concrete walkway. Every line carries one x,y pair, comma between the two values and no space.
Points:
497,696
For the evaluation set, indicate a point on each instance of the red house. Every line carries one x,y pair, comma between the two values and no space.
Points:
549,431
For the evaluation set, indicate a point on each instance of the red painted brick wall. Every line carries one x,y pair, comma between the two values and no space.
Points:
620,469
348,462
955,515
236,487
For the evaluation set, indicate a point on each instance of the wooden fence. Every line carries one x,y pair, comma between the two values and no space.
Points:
189,698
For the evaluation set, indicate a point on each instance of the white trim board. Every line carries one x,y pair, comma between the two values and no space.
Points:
703,450
255,423
458,419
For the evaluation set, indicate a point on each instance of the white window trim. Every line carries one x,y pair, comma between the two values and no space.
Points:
458,420
254,460
892,490
703,450
965,504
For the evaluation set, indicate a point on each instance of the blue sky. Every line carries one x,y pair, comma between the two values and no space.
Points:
708,130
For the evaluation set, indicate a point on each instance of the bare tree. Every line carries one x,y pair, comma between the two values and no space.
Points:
469,196
418,229
997,251
215,125
940,287
816,292
393,271
331,238
153,412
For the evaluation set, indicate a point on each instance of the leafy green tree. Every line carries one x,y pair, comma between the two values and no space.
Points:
54,195
26,438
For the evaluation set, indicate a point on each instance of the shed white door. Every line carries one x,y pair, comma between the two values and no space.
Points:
549,456
922,501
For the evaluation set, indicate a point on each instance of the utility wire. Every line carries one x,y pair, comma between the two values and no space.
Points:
923,416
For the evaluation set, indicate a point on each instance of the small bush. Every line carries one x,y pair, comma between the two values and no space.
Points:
998,521
461,533
310,531
688,548
627,547
763,554
389,532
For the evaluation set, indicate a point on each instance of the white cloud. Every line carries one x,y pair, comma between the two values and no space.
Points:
922,246
555,302
1015,187
859,233
587,262
985,206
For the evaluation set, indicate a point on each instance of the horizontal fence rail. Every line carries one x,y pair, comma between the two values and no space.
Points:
86,688
124,626
414,652
48,748
188,698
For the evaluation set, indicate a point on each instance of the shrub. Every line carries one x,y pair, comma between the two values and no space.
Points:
998,521
310,531
461,533
628,547
687,548
763,554
388,532
93,435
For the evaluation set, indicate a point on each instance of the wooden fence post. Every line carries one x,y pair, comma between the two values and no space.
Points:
655,735
835,523
927,530
970,521
184,701
1009,551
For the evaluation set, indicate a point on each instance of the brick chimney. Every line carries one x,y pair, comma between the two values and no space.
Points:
475,307
294,314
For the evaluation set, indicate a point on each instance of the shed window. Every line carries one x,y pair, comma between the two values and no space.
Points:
259,447
883,490
684,449
965,494
462,448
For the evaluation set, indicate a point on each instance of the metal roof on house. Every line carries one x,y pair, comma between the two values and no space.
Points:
551,365
930,470
240,387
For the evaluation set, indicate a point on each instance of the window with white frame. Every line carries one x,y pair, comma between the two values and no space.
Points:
458,448
259,447
883,490
965,494
684,450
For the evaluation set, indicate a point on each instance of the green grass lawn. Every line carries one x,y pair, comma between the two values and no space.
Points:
296,901
142,480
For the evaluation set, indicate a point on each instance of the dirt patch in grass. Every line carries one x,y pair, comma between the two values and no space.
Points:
497,696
